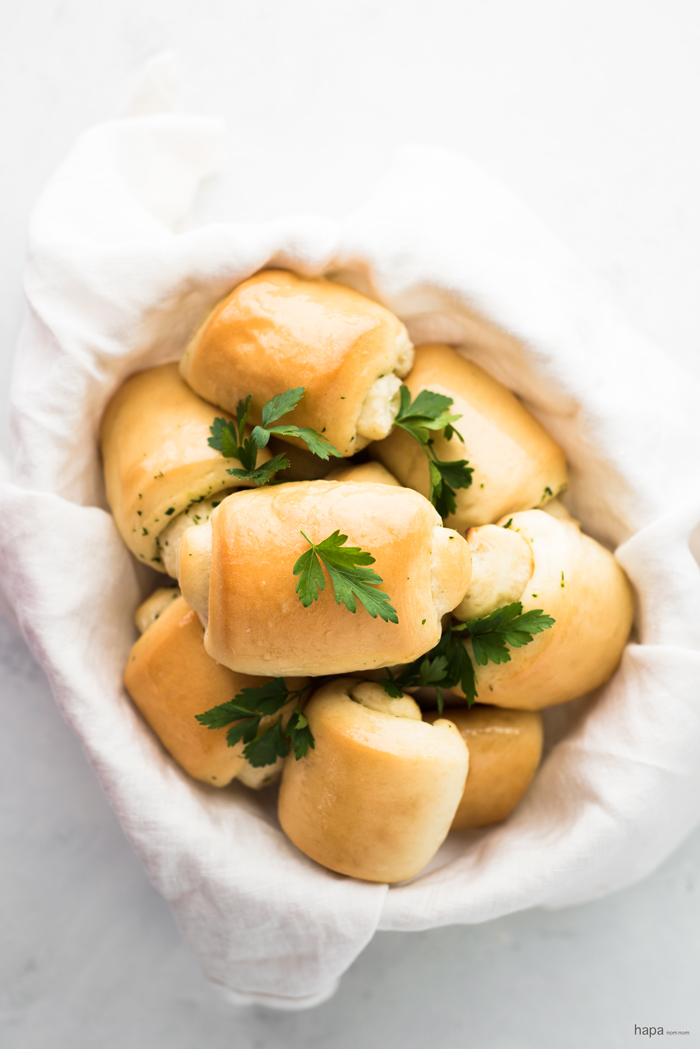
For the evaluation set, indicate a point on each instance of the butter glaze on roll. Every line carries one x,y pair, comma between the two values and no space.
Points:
277,331
376,796
505,747
516,463
171,679
237,572
157,462
576,581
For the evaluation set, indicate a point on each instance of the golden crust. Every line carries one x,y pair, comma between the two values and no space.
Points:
171,678
580,584
516,463
505,747
277,331
156,457
256,622
375,797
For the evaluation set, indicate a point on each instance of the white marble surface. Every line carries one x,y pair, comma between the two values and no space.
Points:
589,112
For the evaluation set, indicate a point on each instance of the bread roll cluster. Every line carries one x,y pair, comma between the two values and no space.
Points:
335,618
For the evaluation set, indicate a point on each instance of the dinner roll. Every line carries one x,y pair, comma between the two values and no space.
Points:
505,747
237,571
171,679
516,463
377,794
157,462
277,331
576,581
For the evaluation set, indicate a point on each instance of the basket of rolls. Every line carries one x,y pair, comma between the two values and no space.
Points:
339,544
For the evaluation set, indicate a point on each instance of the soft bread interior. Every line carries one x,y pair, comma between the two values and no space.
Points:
502,564
374,697
169,539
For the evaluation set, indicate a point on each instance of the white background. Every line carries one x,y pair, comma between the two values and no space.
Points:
589,111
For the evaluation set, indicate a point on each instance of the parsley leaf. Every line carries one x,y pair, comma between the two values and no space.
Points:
268,698
533,622
444,666
454,472
224,438
299,734
423,671
224,714
315,442
242,413
247,710
517,628
444,478
427,412
245,730
448,664
421,418
280,404
346,566
263,474
267,747
229,438
490,648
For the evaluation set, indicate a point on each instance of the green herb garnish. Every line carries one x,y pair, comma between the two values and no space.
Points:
421,419
346,566
448,664
229,437
246,711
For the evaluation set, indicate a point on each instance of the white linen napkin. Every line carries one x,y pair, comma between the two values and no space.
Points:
114,285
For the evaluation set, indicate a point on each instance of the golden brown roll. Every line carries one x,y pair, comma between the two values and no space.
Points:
516,463
505,747
573,579
171,679
376,796
374,472
157,462
277,331
237,570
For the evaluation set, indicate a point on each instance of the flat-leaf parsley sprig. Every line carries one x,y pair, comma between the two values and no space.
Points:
448,664
349,575
422,418
245,712
229,437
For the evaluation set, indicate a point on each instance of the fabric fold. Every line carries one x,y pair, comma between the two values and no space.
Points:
116,283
